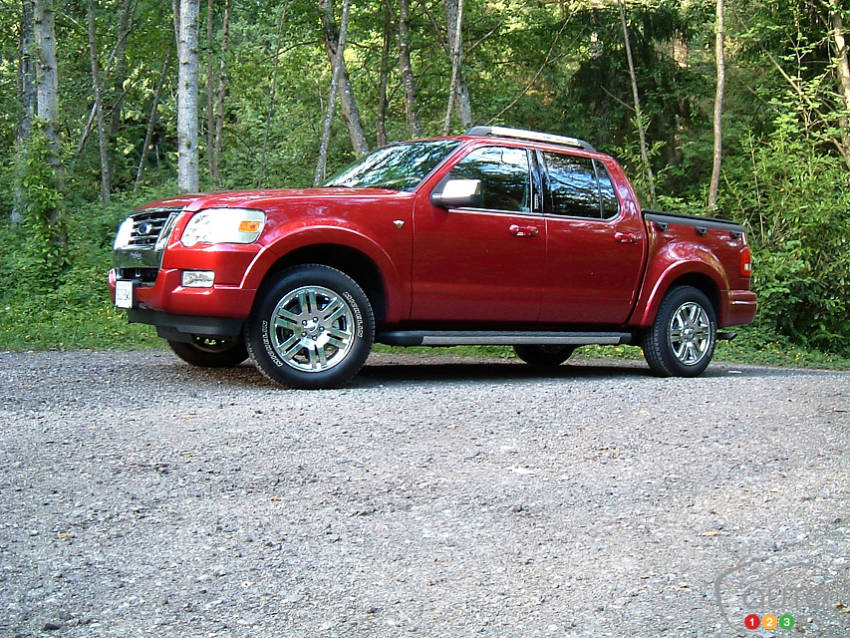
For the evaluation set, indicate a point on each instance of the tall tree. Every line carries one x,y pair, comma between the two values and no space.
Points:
650,178
339,62
119,57
98,105
222,90
843,74
411,110
143,156
350,111
46,77
720,61
381,121
187,97
459,91
26,89
210,89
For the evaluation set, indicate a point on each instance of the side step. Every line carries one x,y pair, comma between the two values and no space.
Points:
498,338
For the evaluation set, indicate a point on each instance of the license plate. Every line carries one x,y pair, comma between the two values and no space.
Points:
124,294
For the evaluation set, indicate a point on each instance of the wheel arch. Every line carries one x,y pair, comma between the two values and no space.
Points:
697,276
351,261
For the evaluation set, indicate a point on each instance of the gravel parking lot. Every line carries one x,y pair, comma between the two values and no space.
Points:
431,497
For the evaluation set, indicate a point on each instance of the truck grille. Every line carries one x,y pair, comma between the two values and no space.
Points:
148,225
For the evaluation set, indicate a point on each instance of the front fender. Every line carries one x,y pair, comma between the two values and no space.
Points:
304,235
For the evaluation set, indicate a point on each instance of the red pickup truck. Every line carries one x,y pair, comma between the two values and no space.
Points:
498,236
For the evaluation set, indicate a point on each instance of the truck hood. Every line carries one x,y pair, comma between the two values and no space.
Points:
262,199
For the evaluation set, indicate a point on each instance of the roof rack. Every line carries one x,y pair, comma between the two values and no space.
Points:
503,131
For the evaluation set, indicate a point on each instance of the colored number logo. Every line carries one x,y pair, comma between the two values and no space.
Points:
769,621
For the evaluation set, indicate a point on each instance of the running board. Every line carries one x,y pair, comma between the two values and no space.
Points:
498,338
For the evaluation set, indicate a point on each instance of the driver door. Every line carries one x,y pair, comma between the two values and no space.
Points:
483,263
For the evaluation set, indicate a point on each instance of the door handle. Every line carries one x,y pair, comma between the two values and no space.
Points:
626,238
523,231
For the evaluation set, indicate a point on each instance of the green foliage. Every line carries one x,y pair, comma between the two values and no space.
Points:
550,66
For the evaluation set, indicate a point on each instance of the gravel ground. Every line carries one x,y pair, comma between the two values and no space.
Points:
431,497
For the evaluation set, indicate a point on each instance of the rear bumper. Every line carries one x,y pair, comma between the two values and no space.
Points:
739,308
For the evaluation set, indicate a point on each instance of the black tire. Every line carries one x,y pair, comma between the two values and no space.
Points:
681,340
211,352
544,356
312,328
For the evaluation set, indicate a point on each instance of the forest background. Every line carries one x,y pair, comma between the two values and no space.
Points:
739,111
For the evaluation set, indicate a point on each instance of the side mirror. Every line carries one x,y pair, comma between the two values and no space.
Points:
458,193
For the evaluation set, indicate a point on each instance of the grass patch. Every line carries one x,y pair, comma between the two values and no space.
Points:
63,321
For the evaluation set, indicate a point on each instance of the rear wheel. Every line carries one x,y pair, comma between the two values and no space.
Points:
544,356
211,352
682,337
313,328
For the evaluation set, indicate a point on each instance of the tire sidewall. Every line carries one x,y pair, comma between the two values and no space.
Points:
669,306
259,336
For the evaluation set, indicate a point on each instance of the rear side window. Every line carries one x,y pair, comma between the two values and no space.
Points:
579,187
504,174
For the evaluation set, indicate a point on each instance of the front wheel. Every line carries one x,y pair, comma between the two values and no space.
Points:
682,337
313,328
211,352
544,356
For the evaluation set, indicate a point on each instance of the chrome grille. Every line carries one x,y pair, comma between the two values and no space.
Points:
148,225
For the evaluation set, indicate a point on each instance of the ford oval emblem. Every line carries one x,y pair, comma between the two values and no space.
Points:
145,229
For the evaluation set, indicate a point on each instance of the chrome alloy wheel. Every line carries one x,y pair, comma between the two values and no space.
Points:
312,329
689,333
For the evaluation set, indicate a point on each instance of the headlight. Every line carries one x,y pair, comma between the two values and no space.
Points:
224,226
125,231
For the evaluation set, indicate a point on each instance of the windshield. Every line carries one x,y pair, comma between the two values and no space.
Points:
398,167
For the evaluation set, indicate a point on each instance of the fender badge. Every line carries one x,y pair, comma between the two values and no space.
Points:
398,223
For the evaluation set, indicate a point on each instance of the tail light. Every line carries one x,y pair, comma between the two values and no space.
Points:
746,263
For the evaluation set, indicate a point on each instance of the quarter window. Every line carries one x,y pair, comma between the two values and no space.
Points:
504,175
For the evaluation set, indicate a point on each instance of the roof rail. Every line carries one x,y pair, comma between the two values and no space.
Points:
503,131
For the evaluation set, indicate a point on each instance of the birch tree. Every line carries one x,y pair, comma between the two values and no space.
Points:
718,106
459,91
98,105
843,69
333,44
46,76
650,178
338,64
187,96
411,110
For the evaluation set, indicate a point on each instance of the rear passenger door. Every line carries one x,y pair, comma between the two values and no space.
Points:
594,251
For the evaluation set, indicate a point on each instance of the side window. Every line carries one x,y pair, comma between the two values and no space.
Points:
504,175
610,203
572,185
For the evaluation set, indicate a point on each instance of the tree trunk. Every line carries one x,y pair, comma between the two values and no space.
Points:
140,171
98,106
381,124
187,98
650,178
272,95
350,112
26,70
46,78
411,110
718,107
843,74
125,25
26,89
454,33
210,90
338,63
222,88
